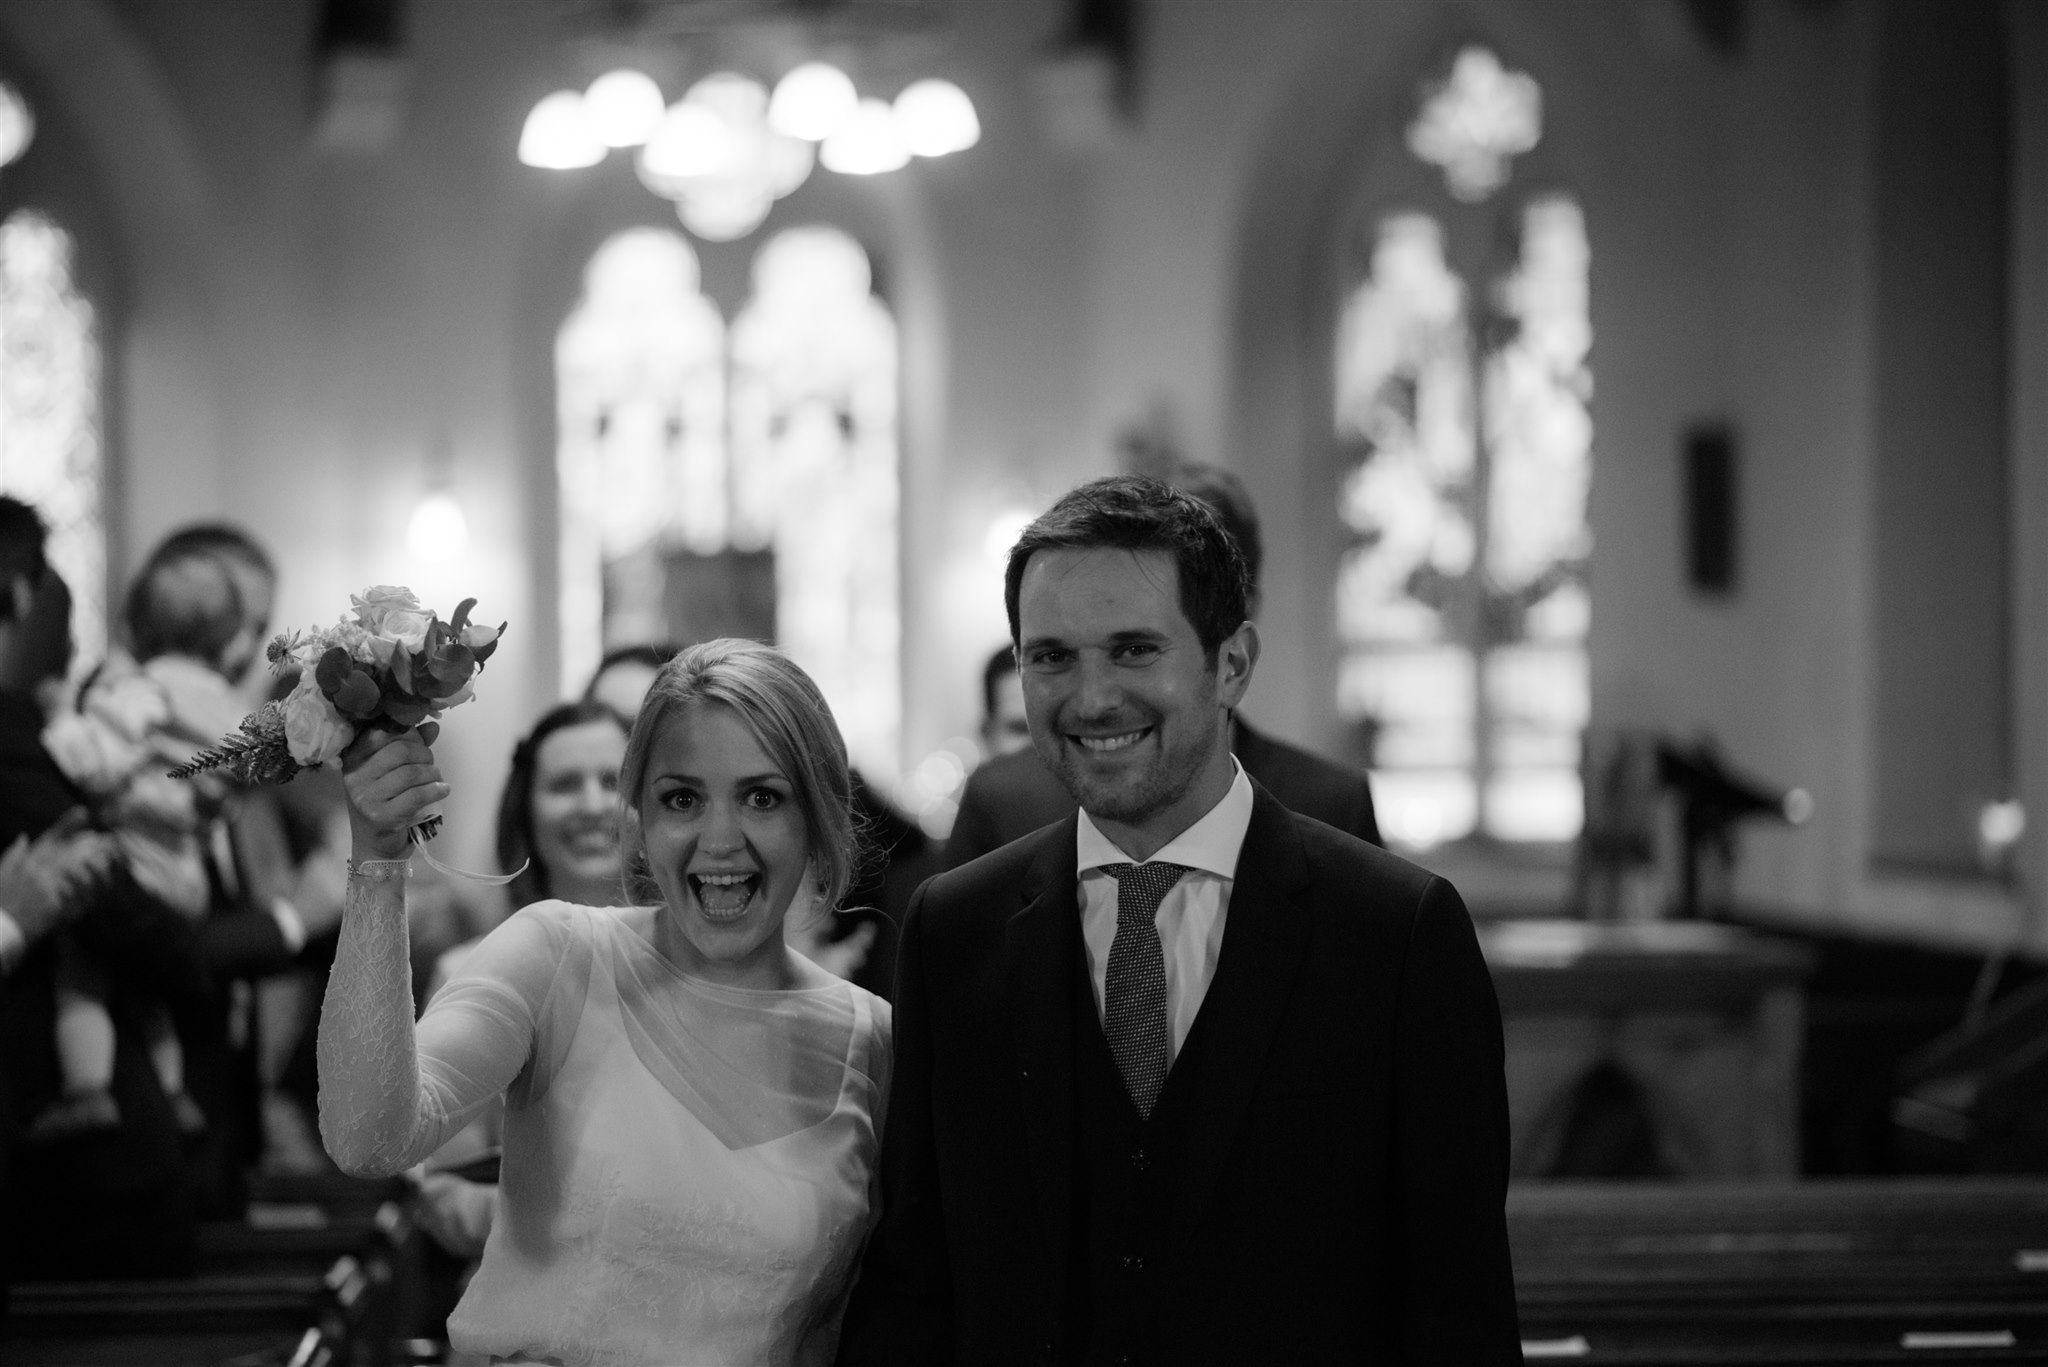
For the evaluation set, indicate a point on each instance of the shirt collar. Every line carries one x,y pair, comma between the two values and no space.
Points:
1211,844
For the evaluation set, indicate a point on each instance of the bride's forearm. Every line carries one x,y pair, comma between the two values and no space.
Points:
372,1111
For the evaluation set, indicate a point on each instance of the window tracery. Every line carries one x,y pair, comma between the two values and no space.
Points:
778,435
1462,417
50,427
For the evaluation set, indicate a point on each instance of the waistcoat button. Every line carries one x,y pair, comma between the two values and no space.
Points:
1133,1263
1141,1160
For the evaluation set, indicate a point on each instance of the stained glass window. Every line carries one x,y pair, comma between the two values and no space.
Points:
1462,606
50,453
640,395
690,453
814,444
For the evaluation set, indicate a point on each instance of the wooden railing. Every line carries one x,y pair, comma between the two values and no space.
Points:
1771,1275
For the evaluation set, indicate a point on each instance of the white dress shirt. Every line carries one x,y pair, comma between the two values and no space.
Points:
12,941
1191,915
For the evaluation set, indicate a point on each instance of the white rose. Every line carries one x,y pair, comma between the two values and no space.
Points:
394,614
316,733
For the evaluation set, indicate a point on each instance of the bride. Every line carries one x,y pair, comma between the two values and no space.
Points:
692,1109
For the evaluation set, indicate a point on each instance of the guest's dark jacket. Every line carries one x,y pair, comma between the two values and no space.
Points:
1331,1151
114,1203
120,1202
1014,795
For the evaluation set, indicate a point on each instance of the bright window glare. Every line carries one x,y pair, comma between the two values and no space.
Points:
623,107
936,117
50,436
557,136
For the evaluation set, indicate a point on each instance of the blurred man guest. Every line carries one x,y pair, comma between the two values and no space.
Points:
624,675
1016,794
1185,1078
1003,728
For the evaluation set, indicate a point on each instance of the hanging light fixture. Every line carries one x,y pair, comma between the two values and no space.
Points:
557,137
17,125
718,159
623,107
727,150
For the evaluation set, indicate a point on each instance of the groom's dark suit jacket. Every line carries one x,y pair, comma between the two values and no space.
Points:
1338,1192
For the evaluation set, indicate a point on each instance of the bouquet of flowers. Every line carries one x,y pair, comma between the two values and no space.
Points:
388,663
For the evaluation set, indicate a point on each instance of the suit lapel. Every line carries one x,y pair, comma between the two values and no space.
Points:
1265,938
1041,945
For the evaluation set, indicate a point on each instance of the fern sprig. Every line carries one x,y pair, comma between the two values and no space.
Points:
258,754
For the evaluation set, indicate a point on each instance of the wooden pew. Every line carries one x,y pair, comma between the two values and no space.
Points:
318,1290
1674,1275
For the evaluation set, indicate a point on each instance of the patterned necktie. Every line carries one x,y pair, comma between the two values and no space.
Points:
1134,990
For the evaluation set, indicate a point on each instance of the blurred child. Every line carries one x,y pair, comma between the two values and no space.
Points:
138,716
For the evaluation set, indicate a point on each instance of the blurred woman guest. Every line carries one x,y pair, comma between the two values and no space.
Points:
558,821
691,1106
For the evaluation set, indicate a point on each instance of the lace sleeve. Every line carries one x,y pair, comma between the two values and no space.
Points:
392,1092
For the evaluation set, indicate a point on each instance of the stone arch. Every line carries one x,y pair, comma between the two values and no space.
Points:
162,389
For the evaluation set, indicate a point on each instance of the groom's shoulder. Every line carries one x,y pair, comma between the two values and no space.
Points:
1001,880
1339,867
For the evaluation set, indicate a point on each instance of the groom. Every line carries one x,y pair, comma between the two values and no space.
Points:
1185,1078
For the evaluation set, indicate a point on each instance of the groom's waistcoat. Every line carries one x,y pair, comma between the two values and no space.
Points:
1126,1172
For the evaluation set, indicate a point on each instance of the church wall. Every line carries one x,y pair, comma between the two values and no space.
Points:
303,330
1729,206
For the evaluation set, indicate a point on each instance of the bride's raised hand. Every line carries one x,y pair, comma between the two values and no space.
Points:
391,782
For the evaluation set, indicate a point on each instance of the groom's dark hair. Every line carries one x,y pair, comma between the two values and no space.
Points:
1136,513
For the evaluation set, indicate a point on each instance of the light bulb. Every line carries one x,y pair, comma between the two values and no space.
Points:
557,137
812,102
17,125
693,140
438,532
623,107
869,144
936,118
724,212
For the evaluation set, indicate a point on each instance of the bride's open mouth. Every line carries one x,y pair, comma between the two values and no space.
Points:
724,896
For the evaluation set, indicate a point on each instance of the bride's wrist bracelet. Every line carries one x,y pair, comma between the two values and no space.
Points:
380,868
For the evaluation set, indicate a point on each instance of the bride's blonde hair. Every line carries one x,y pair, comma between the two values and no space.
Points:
787,715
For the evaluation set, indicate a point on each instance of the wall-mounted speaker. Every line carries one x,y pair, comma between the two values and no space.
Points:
1710,508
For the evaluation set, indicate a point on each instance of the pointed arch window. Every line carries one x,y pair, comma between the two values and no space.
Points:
736,480
814,440
1465,437
641,459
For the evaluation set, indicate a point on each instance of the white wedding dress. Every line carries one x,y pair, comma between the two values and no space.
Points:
689,1169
